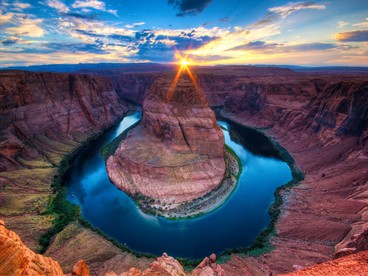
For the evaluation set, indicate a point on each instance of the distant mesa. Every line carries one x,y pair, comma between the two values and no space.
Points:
176,155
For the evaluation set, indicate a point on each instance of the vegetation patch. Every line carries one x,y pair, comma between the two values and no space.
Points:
62,211
110,148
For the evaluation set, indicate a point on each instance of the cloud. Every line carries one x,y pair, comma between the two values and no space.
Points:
269,25
291,7
255,45
134,25
10,41
76,47
342,24
95,4
353,36
160,45
263,46
6,17
189,7
80,15
363,24
57,5
27,27
21,6
224,19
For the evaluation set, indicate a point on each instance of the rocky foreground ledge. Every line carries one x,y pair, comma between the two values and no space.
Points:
176,155
17,259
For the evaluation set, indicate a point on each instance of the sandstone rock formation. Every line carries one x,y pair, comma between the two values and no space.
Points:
18,259
208,267
177,153
80,269
356,264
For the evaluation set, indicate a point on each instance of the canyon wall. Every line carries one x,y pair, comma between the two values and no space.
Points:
44,116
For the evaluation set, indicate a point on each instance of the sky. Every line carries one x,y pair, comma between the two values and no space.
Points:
208,32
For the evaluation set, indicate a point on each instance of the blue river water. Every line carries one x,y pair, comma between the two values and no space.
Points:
236,223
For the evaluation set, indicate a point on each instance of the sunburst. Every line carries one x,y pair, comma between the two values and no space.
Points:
184,63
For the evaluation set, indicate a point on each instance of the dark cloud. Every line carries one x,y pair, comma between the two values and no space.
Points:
76,47
144,35
122,38
311,47
9,41
80,15
276,47
354,36
156,48
256,45
83,32
224,19
189,7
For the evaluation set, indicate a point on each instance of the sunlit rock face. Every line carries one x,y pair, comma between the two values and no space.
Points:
177,153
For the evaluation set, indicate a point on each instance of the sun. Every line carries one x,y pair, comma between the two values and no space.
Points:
184,62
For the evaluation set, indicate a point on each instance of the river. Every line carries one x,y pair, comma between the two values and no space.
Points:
236,223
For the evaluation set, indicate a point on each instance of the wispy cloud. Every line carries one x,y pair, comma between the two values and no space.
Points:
95,4
264,47
269,25
341,24
353,36
27,27
19,6
285,10
134,25
363,24
6,17
57,5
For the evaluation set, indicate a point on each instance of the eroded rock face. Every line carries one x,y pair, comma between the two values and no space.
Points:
17,259
44,116
38,109
168,266
356,264
177,153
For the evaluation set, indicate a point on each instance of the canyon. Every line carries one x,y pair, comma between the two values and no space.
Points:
321,119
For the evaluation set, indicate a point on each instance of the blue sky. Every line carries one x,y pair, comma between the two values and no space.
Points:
210,32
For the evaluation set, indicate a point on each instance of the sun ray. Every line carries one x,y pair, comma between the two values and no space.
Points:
184,67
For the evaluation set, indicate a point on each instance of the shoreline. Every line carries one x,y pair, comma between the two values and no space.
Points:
209,202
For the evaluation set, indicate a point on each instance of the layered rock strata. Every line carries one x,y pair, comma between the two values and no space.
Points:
302,111
43,117
177,153
17,259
